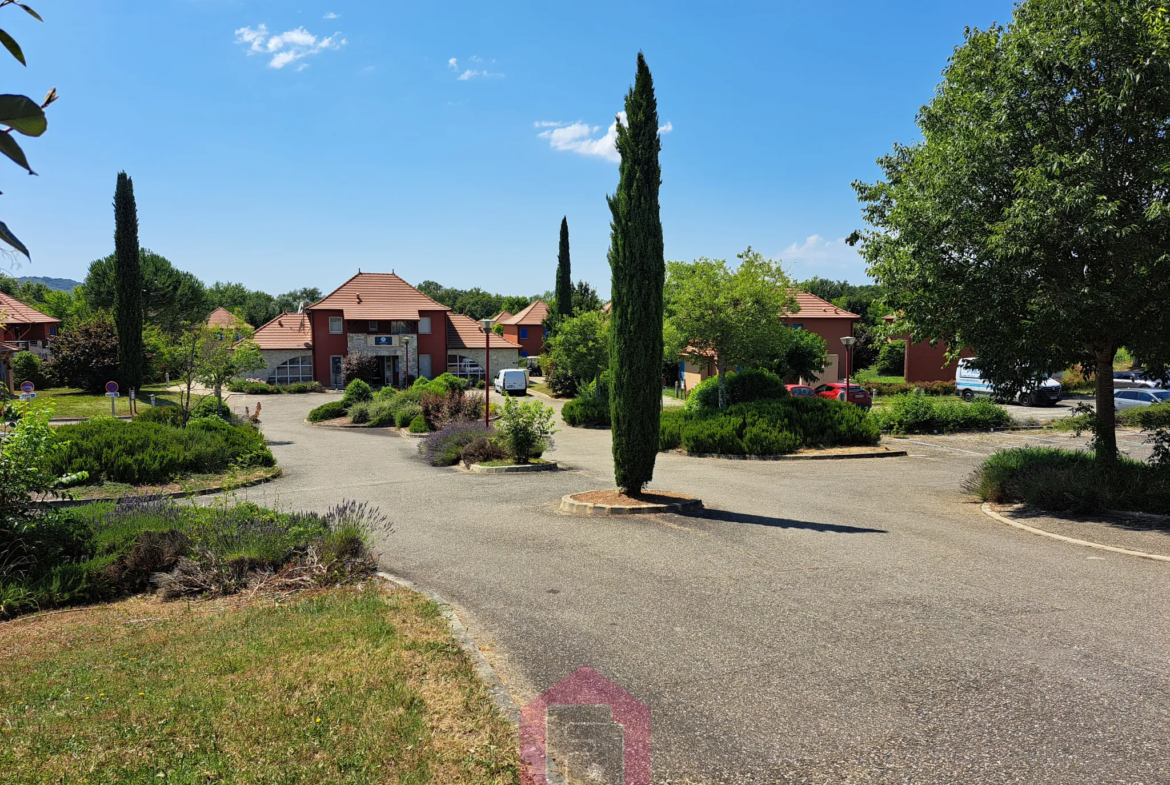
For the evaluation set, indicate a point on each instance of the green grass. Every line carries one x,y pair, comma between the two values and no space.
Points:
871,376
356,685
68,402
544,388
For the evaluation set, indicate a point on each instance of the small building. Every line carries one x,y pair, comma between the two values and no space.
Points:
7,352
286,343
222,317
410,334
25,328
527,329
926,363
466,350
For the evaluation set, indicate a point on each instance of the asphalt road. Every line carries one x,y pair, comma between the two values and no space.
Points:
822,622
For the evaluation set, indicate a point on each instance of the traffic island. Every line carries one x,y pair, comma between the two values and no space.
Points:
513,468
614,502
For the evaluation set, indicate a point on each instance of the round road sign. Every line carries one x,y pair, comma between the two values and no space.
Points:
27,387
111,387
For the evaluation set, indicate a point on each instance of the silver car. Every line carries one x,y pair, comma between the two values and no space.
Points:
1132,379
1128,399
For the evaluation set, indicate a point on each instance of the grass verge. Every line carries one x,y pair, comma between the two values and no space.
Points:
69,403
357,684
194,484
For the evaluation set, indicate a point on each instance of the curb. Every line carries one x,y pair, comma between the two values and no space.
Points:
573,507
62,503
986,507
842,457
487,674
548,466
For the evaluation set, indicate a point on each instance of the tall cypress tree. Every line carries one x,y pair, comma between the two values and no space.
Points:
128,308
639,268
564,274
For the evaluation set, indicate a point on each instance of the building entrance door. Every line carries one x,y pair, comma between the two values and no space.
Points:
336,377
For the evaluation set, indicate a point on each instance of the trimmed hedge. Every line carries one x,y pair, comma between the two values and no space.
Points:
928,388
167,415
586,411
742,387
142,453
419,424
1071,480
328,411
252,387
915,413
356,391
768,427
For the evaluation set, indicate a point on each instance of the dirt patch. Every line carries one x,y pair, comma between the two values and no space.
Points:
615,498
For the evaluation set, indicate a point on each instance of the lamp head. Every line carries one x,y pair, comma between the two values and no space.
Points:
848,340
486,324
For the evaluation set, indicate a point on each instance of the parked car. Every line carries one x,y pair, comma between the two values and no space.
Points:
1129,399
511,381
800,390
836,391
969,383
1136,378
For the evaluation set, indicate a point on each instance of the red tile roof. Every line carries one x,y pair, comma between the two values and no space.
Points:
222,317
377,296
463,332
813,307
287,331
533,314
13,311
501,316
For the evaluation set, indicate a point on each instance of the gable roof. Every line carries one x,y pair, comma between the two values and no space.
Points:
535,313
813,307
501,316
222,317
463,332
377,296
16,312
287,331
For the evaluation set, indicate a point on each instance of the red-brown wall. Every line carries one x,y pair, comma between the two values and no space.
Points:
926,363
326,344
832,330
25,332
533,344
435,344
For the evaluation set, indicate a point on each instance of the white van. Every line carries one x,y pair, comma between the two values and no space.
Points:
969,383
511,381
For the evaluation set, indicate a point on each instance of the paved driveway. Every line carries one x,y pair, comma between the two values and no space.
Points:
823,622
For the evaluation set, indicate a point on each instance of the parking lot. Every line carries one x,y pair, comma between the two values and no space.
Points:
821,622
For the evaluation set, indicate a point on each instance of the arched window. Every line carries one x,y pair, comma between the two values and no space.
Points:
297,369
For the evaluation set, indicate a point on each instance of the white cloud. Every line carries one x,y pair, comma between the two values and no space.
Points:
471,73
817,256
579,138
453,64
287,47
330,15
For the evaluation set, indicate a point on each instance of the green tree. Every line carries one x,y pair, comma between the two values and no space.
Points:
221,359
86,356
23,115
128,310
580,346
803,355
564,299
1031,222
733,316
585,298
291,302
639,268
170,297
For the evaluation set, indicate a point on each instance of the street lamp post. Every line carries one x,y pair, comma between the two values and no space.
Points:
406,373
848,340
486,324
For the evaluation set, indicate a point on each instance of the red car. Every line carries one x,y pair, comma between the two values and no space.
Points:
799,390
836,391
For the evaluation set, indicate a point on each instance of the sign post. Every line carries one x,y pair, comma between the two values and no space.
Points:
112,394
26,391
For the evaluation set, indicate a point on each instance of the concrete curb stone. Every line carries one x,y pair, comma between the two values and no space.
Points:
61,503
573,507
548,466
986,507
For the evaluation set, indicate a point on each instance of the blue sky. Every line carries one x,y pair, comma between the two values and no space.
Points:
286,143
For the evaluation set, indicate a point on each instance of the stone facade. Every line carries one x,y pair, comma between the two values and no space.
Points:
501,358
275,357
358,342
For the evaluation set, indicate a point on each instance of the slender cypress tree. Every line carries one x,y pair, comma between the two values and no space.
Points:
564,275
639,268
128,307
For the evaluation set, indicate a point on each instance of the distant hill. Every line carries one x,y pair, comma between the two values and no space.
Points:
59,284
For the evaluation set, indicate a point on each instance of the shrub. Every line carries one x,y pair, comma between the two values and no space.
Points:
438,410
1146,418
1070,480
445,447
85,356
298,388
251,387
917,413
526,429
26,367
892,359
356,391
586,411
404,416
482,450
167,415
211,406
385,394
360,365
767,427
928,388
419,424
381,413
328,411
140,453
359,413
742,387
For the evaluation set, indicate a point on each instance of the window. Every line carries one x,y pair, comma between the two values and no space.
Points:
424,325
373,327
463,367
400,328
523,352
798,326
52,329
335,325
524,334
291,371
545,335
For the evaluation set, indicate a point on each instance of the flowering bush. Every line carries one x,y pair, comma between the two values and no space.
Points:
526,429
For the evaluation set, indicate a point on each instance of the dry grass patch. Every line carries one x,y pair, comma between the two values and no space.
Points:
360,684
